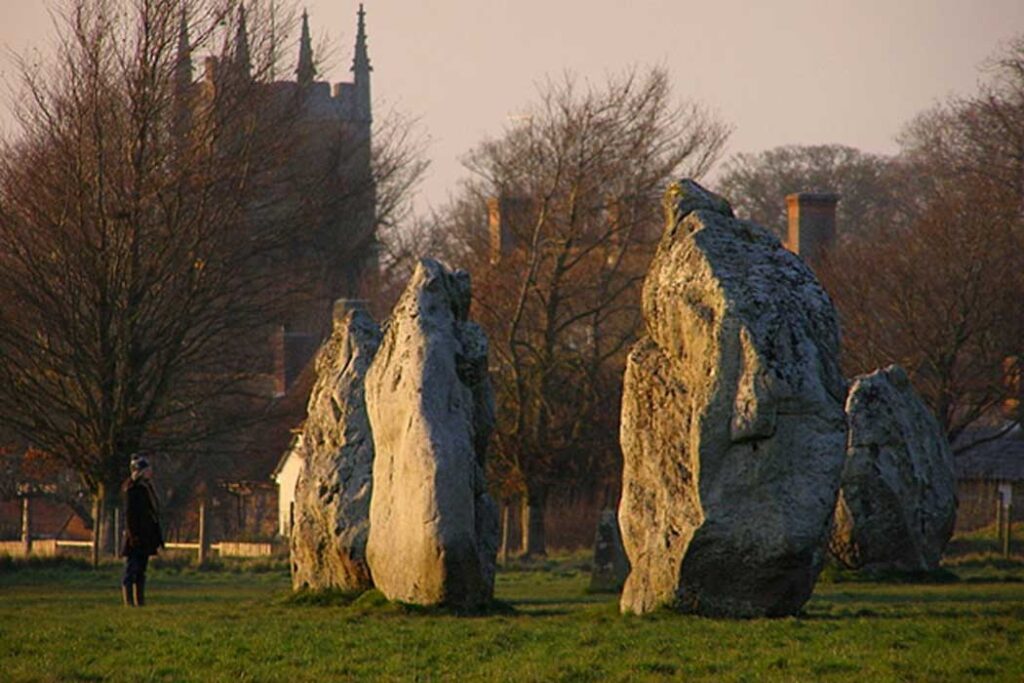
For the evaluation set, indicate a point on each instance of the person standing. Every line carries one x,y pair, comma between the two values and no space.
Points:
142,534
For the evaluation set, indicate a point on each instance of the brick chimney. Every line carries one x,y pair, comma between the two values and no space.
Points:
812,223
290,352
506,220
210,70
343,306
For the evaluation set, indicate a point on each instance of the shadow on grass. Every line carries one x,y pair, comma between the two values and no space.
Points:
911,613
9,565
905,601
373,602
835,574
556,562
988,568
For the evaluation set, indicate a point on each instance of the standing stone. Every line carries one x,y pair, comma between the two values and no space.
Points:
433,527
897,505
610,563
332,495
732,424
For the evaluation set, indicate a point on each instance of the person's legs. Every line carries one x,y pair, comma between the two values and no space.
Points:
130,578
140,581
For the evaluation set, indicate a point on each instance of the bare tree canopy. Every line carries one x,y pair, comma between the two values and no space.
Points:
943,293
571,195
757,185
154,225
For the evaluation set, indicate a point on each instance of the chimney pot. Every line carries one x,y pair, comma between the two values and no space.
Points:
342,307
812,223
506,218
210,69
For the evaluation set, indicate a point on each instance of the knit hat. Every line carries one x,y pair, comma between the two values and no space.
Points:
138,464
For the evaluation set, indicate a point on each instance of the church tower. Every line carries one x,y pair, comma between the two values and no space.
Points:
305,72
367,265
183,82
242,62
183,65
361,71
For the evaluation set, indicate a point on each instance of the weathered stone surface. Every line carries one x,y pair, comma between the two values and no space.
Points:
687,196
732,425
897,504
610,563
433,527
332,496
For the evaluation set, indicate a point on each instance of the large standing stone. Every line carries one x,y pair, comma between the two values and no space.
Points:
732,420
610,564
332,496
433,527
897,505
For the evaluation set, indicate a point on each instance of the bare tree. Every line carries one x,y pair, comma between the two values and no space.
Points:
944,298
153,227
943,293
757,185
560,299
978,138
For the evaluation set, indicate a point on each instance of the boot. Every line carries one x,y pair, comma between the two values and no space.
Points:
126,595
140,593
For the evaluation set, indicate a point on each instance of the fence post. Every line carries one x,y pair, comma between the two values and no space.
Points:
203,539
26,525
1004,515
999,519
95,548
115,546
1007,526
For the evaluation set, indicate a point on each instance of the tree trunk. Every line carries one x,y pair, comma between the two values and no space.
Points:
116,516
104,507
110,507
26,525
97,516
506,516
532,523
204,537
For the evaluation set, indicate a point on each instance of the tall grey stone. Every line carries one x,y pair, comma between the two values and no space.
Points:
433,526
732,426
332,495
897,504
610,566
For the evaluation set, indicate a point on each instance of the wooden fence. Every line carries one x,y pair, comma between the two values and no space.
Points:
48,547
51,547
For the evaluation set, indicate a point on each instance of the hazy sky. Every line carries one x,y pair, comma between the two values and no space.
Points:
779,71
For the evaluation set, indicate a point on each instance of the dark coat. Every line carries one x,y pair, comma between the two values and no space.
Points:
142,532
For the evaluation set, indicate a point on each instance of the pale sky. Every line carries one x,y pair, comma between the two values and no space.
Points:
779,71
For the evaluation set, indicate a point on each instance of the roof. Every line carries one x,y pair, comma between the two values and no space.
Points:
1000,459
50,519
286,456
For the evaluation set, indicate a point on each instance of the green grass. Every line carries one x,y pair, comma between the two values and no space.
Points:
62,623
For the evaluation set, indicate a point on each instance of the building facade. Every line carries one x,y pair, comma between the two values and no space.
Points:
322,179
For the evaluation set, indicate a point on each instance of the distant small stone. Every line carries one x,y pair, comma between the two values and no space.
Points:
610,563
897,505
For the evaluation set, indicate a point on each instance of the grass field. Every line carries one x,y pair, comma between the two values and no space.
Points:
62,623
